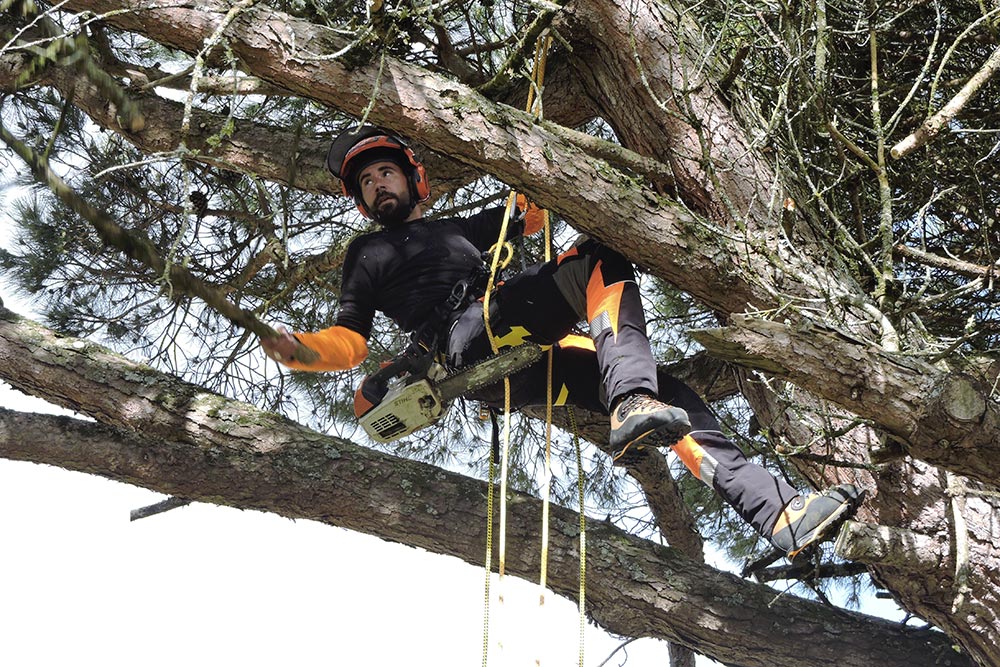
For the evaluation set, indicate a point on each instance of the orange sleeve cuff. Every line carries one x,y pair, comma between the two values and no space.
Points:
339,348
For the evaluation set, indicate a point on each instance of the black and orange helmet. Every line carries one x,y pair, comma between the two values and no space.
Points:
358,147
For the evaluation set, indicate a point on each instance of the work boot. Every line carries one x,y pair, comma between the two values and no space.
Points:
640,418
808,520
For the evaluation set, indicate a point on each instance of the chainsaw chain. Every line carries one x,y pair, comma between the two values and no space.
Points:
501,364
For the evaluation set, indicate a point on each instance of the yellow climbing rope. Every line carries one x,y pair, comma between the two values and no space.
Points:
500,260
495,264
581,487
538,77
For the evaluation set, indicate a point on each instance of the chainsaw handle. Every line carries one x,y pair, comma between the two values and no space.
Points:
377,384
395,367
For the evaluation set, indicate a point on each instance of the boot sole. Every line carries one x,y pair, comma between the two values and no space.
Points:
848,508
668,429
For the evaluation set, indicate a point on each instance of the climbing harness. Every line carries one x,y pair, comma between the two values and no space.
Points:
414,390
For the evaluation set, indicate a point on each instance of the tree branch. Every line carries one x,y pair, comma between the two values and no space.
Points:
886,546
933,125
810,571
930,259
164,434
158,508
941,417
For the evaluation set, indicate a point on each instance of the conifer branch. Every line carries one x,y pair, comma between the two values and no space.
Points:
136,245
933,125
810,571
158,508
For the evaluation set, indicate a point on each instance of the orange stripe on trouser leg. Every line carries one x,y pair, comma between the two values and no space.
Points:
691,453
603,298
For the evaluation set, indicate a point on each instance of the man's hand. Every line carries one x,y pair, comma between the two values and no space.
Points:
282,348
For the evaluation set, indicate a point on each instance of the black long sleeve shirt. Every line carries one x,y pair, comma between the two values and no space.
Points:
407,270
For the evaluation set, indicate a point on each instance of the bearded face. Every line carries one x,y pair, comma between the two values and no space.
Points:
391,208
386,192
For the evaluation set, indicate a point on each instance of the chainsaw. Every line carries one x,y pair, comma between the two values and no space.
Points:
413,392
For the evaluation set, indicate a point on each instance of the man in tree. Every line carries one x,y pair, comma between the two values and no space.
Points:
411,267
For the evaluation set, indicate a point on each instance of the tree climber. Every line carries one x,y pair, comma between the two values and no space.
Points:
411,266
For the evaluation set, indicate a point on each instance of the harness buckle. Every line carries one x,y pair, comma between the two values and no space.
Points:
457,296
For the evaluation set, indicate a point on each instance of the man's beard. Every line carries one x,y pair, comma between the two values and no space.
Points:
391,210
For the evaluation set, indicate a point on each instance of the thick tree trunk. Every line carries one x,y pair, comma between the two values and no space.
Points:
162,433
951,521
666,114
731,253
932,413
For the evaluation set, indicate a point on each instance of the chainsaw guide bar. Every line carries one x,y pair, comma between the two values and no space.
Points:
489,370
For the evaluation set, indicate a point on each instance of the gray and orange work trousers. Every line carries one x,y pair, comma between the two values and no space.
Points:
593,283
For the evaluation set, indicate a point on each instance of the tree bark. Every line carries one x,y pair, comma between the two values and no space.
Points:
882,545
904,497
721,175
945,418
728,250
162,433
661,235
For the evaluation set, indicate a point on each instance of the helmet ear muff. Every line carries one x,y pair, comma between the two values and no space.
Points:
419,184
358,200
